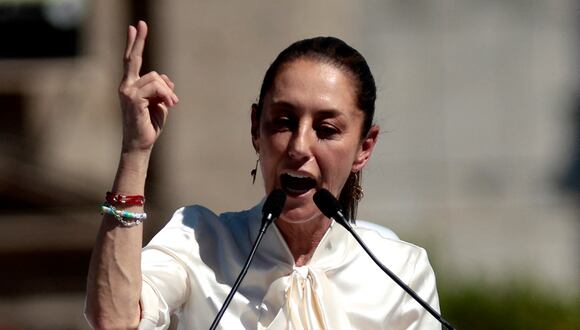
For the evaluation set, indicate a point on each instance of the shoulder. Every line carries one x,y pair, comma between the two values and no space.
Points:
362,225
195,223
389,248
198,217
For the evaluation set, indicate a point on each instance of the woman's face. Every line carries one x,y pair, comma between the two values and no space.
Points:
309,135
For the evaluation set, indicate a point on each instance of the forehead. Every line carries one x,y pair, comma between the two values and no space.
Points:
314,84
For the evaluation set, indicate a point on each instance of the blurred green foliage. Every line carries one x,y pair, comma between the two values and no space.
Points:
508,306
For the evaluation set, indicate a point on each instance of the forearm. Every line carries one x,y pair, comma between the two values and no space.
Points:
114,280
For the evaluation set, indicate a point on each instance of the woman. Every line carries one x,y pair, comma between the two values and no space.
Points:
312,128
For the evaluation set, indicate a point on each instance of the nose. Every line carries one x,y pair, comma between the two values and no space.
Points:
299,146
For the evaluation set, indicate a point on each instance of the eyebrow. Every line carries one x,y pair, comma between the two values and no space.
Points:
324,113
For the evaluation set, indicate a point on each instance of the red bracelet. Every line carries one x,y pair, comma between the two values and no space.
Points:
123,200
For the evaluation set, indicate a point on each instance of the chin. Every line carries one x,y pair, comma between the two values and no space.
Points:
299,215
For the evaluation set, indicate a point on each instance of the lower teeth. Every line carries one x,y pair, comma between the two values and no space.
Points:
295,185
296,191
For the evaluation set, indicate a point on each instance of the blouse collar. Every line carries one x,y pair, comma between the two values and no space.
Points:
336,248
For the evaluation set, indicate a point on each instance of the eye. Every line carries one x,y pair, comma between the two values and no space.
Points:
282,123
327,131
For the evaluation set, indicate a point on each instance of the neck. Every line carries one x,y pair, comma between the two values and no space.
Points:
303,238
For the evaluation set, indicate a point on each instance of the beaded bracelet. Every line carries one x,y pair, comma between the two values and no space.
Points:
121,215
124,200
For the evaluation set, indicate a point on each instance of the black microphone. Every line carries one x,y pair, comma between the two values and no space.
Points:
331,208
271,210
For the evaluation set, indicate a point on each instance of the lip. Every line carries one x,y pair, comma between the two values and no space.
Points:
303,174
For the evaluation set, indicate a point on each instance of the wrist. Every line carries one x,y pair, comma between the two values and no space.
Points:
132,172
135,159
136,145
136,148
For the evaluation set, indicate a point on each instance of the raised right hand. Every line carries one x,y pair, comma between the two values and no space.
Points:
145,100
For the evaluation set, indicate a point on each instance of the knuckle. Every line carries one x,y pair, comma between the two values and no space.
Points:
159,88
125,90
155,75
132,60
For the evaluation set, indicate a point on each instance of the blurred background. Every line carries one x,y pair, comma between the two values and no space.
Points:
478,160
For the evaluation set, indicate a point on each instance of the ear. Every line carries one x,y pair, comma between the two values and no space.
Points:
255,130
366,149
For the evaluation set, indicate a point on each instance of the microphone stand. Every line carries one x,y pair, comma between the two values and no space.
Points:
241,276
396,278
330,207
271,210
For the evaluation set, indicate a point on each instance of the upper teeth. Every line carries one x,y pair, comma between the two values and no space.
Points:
298,176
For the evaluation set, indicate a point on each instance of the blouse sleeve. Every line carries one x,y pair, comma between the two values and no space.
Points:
164,288
423,283
165,277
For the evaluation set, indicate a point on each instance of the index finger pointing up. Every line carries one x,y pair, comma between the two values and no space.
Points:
134,50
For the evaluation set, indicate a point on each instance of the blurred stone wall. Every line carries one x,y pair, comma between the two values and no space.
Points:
474,98
474,104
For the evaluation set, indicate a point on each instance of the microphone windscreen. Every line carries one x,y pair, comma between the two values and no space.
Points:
274,203
327,203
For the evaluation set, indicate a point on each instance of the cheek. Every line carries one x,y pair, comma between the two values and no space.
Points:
336,165
272,149
269,140
268,172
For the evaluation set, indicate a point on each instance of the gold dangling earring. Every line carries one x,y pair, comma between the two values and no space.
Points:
254,172
357,190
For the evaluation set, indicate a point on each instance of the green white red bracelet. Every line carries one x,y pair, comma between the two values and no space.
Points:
122,215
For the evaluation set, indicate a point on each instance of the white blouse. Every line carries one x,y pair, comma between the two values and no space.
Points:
189,267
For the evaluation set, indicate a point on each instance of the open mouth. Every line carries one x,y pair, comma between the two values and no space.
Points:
295,184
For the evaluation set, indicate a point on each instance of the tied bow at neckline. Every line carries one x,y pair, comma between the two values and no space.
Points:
309,301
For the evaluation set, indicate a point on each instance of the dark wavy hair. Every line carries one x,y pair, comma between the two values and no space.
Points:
336,52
